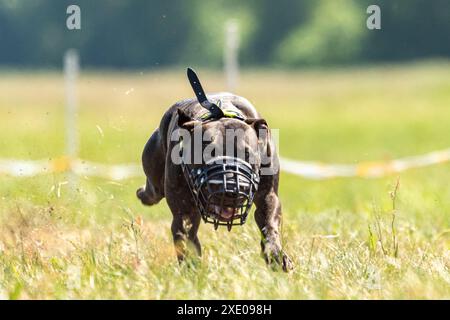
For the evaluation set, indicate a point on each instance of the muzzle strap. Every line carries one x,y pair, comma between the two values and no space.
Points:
215,111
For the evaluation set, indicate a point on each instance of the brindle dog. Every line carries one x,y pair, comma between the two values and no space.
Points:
166,179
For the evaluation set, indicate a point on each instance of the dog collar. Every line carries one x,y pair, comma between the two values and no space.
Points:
226,113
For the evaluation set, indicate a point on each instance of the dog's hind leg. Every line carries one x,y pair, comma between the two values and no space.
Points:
148,195
153,162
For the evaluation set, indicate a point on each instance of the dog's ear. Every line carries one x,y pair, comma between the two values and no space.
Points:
185,121
260,126
262,132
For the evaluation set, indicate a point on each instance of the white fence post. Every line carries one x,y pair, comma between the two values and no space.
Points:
231,54
71,70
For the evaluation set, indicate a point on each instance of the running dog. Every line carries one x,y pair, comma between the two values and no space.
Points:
218,178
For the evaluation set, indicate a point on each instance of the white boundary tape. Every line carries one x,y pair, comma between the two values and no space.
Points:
318,170
29,168
305,169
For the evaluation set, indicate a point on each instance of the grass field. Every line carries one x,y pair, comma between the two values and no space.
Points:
345,237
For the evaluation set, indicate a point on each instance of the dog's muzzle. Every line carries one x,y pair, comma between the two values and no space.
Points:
223,189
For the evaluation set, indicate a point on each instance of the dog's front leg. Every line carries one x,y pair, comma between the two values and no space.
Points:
182,234
192,233
268,218
179,235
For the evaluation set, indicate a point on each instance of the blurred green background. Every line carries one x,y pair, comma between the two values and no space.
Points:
283,33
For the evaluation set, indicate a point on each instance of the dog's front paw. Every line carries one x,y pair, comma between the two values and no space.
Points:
287,263
277,258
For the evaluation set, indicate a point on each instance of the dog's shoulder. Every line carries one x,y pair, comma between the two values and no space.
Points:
241,103
192,108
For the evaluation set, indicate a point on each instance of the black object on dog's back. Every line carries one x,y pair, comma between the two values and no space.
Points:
215,111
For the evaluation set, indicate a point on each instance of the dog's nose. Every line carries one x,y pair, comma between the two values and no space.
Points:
225,213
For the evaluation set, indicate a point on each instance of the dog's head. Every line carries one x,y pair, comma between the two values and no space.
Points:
246,139
222,159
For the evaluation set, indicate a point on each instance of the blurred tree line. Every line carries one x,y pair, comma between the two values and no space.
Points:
154,33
